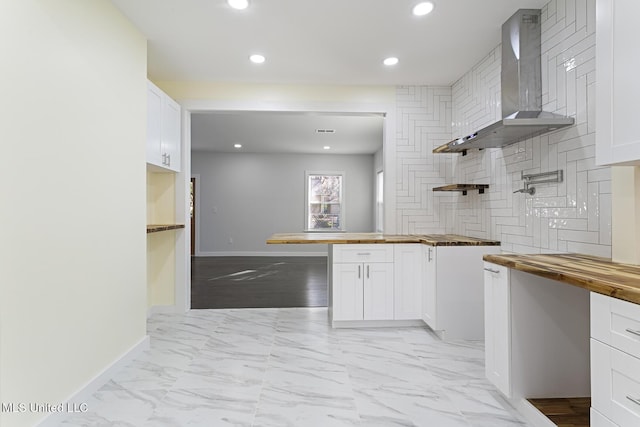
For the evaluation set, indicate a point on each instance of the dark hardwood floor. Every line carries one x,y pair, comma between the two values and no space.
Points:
258,282
565,412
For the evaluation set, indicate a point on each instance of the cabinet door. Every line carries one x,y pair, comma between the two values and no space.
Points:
497,324
618,88
407,281
347,291
378,291
429,290
615,384
154,125
171,134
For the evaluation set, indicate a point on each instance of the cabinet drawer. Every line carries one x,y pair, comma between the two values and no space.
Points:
615,384
362,253
616,322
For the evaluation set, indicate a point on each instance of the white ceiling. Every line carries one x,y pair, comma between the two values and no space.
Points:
280,132
317,42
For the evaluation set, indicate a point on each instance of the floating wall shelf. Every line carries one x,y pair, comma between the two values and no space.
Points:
463,187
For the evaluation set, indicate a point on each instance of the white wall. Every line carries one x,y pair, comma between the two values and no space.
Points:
247,197
573,216
423,117
73,279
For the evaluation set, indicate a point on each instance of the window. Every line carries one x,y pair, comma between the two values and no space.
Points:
325,201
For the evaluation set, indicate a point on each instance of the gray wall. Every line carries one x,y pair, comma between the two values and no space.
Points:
247,197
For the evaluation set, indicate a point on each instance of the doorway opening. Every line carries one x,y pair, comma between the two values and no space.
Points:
347,108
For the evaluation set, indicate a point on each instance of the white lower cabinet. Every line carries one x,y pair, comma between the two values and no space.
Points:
407,295
452,290
615,360
599,420
497,326
362,290
429,315
536,335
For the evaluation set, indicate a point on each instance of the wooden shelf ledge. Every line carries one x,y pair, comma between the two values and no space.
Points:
463,187
154,228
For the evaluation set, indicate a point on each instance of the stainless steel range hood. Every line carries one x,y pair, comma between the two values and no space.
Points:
521,87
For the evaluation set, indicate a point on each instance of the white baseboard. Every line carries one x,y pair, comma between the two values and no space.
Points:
221,253
375,323
84,393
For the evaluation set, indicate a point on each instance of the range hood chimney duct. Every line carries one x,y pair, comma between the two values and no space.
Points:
521,90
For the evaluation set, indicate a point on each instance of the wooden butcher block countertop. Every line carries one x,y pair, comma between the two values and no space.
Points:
596,274
355,238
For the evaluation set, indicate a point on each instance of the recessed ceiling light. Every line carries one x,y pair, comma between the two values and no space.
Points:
238,4
390,61
326,147
257,59
237,145
423,8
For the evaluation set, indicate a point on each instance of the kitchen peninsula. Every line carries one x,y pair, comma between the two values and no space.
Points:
378,280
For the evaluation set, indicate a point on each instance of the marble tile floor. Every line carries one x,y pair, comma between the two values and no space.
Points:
287,367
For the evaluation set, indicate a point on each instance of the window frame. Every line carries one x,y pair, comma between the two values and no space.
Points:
307,202
379,201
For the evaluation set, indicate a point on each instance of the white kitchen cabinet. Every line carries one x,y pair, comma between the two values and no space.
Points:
163,130
618,87
615,360
407,281
362,282
536,335
599,420
452,303
429,315
497,326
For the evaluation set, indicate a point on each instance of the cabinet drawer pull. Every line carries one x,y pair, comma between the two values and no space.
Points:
491,270
430,249
636,401
633,331
363,253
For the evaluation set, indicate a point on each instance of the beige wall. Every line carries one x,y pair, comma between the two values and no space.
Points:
626,209
161,247
277,94
73,275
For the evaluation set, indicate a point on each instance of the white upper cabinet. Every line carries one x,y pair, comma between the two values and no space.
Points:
163,130
618,86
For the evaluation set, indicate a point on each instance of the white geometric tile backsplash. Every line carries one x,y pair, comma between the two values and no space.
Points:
572,216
